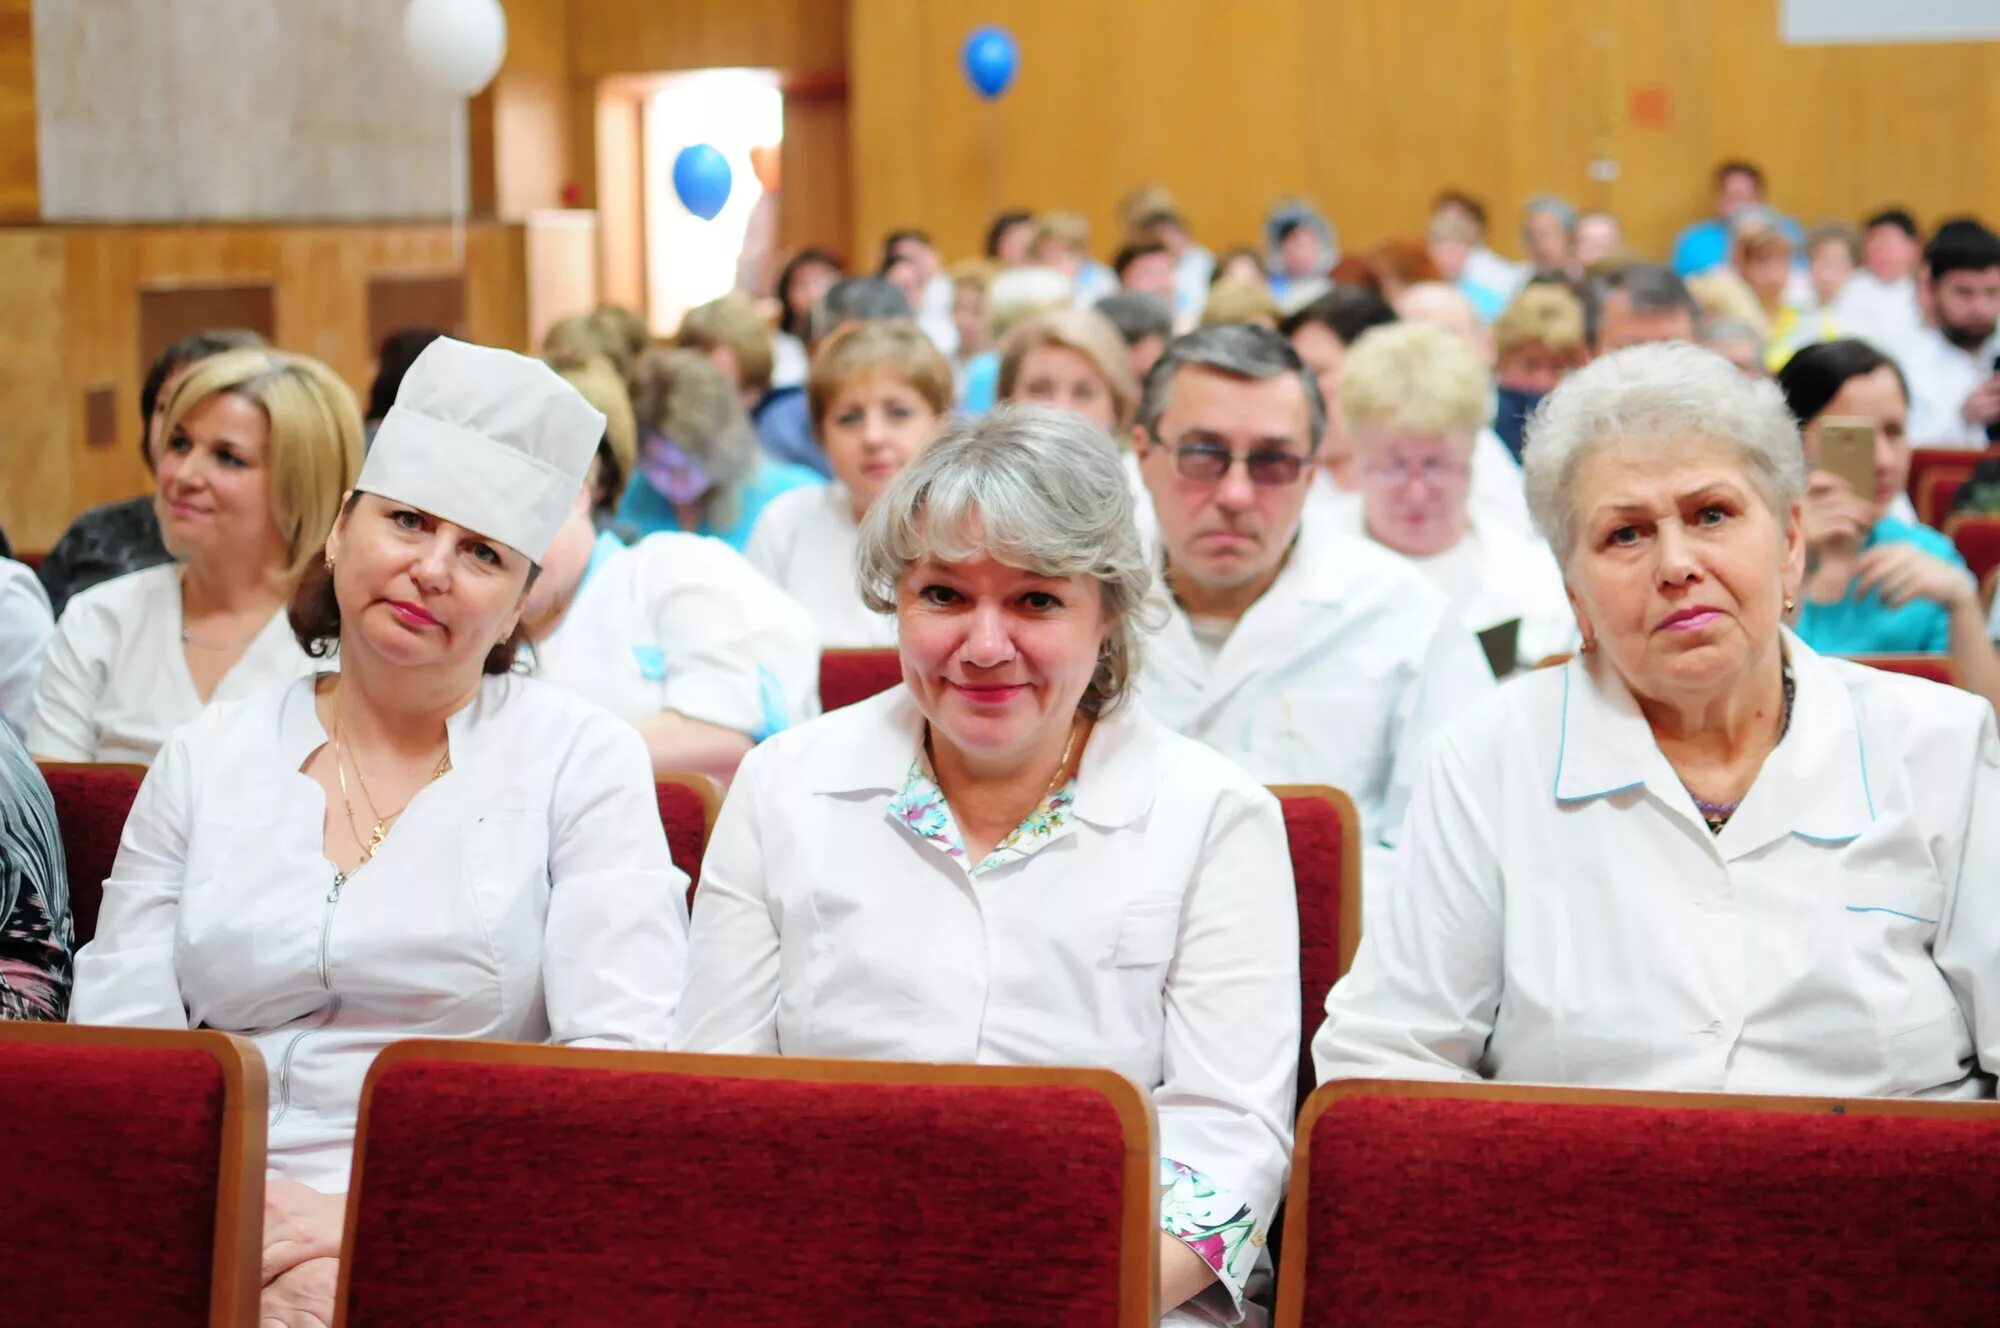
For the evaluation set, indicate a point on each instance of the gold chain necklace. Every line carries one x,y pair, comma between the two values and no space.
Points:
381,828
1076,726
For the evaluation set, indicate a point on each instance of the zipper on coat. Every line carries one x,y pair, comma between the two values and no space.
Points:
325,981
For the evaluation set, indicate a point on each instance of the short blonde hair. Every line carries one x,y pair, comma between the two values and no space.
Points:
315,437
572,341
895,346
597,379
1414,377
1063,227
1542,313
1240,302
1088,333
732,320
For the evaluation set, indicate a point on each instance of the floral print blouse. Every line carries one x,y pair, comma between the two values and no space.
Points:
1193,1209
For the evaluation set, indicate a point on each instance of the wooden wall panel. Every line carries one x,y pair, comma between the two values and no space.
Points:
20,180
642,36
1370,106
73,296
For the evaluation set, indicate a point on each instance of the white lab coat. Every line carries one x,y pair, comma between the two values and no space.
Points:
1877,311
681,622
1336,675
526,896
1941,377
1159,938
25,628
116,680
804,543
1565,916
1498,498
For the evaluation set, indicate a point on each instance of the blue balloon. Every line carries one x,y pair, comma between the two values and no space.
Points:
701,178
991,60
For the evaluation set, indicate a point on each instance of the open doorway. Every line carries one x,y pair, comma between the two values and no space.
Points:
740,113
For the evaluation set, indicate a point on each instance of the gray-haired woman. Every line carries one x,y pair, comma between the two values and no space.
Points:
1700,856
878,884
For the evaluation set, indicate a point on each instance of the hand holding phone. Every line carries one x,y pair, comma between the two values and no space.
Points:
1847,449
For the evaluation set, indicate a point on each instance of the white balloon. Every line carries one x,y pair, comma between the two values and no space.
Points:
456,44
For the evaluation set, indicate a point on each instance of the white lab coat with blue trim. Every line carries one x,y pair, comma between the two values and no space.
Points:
1565,915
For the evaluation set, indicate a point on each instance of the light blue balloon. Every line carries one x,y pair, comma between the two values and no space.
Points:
702,180
991,60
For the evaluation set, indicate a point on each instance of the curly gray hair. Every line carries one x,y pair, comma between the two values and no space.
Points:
1037,489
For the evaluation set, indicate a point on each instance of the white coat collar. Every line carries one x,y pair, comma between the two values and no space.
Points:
300,733
868,748
1814,784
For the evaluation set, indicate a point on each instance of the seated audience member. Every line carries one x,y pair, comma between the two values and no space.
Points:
1193,265
1700,856
1761,257
1248,303
1010,239
122,537
26,626
1307,655
971,282
618,449
1599,242
1548,233
1705,245
1299,251
1413,401
784,419
1074,360
258,447
1062,241
880,391
1144,267
1737,340
804,280
421,845
1637,303
1875,583
1016,294
1536,343
1833,253
700,469
1321,332
1496,477
930,291
1391,268
731,333
1950,365
1240,265
623,333
1450,238
1482,266
1144,322
946,872
1879,302
35,928
398,351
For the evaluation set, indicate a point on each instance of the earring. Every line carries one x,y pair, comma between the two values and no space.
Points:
329,563
1790,604
1589,644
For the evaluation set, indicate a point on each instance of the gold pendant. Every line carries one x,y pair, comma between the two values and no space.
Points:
375,838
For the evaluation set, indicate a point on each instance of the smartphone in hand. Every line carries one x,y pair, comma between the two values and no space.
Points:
1847,449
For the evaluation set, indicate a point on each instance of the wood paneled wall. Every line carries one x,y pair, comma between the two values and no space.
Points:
72,296
20,180
1369,106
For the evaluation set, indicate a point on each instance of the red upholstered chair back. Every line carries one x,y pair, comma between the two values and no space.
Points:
1937,668
135,1177
1499,1204
1935,476
498,1183
1325,836
847,676
92,802
1978,541
688,806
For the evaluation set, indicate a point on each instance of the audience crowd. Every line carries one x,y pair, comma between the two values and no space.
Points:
1556,567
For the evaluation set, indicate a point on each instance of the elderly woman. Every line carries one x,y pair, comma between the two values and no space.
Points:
257,448
879,391
700,469
1005,861
422,845
1700,856
1877,581
1412,402
1074,360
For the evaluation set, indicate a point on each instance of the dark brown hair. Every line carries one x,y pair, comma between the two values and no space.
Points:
314,612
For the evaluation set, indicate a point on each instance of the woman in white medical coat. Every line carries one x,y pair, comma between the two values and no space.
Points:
1700,856
424,845
1006,861
879,390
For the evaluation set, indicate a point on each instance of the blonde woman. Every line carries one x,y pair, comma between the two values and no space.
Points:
1074,360
257,448
596,380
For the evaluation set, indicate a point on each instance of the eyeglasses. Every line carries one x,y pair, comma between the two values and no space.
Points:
1433,471
1206,463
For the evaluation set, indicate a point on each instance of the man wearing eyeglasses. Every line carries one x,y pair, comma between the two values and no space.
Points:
1308,655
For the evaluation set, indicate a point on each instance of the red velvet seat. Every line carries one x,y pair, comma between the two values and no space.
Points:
135,1177
1978,541
688,807
1937,668
1455,1204
499,1183
847,676
1325,837
92,802
1935,476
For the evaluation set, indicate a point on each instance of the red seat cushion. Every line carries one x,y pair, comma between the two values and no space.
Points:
1978,541
847,676
1313,829
685,820
1451,1212
531,1194
91,806
112,1155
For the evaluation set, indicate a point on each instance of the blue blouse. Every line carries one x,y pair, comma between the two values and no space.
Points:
645,508
1864,625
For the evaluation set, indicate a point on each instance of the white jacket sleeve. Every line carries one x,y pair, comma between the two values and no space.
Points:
1421,999
744,654
1967,948
66,699
1455,676
731,1002
614,949
127,974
